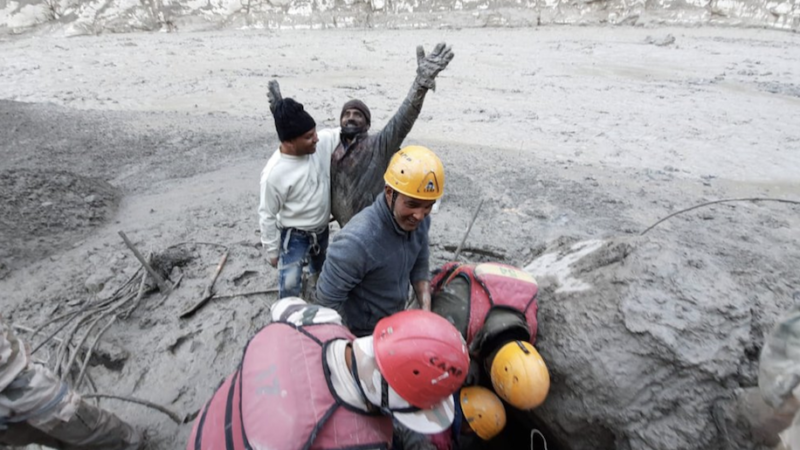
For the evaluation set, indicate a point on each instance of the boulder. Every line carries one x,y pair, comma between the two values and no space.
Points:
651,342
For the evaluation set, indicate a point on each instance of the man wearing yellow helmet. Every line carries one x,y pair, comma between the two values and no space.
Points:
494,307
383,250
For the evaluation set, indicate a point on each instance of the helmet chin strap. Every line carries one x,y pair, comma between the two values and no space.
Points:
391,208
385,397
354,371
394,200
385,401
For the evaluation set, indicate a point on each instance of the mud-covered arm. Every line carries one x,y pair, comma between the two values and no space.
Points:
420,273
345,267
422,289
421,269
398,127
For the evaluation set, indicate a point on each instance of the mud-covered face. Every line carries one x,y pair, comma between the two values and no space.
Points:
408,212
353,122
305,144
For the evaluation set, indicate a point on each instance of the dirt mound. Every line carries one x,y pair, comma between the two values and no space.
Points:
43,211
650,341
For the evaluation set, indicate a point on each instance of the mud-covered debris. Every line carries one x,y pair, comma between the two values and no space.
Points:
660,42
97,281
110,356
164,262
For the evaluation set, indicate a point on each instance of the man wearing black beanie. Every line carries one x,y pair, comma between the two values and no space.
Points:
295,202
360,159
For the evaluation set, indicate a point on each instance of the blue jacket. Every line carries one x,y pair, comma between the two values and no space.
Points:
370,266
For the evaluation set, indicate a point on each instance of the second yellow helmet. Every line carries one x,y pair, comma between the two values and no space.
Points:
519,375
483,411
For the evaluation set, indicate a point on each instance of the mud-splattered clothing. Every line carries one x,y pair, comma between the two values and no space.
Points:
779,371
37,408
370,267
357,169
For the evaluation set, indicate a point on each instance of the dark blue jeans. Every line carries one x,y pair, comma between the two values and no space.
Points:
299,249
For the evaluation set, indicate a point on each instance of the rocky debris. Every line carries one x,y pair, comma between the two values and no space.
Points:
774,87
168,262
660,42
97,281
110,356
73,19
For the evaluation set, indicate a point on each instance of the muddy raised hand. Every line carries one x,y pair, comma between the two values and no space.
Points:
428,67
273,94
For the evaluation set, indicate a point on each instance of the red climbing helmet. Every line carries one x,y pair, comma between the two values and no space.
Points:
421,355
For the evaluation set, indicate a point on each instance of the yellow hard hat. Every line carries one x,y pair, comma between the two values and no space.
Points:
483,411
519,375
417,172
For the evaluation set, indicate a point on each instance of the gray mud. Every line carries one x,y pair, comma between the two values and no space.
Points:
569,135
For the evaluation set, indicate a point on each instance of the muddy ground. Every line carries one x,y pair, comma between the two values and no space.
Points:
567,133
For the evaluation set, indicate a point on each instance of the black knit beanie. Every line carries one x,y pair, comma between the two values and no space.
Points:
359,105
291,120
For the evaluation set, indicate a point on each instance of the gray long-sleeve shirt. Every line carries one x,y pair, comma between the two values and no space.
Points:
370,266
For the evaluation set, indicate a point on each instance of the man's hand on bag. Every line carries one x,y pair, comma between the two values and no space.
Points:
274,94
428,67
273,261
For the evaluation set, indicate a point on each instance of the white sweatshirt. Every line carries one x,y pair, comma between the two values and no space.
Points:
296,191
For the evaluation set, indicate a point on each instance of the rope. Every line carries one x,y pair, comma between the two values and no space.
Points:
534,432
172,415
726,200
